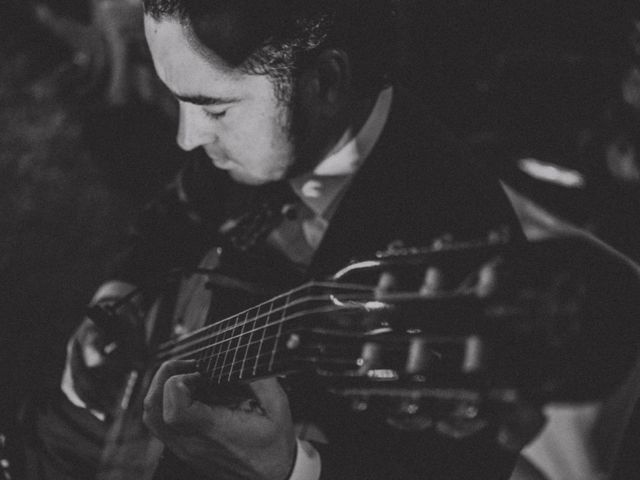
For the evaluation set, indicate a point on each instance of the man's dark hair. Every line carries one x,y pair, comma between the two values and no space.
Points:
278,37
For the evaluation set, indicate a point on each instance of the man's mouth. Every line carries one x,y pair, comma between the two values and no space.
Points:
221,163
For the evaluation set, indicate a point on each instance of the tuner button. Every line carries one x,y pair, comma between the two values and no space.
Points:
442,242
293,342
360,404
179,330
409,407
408,415
369,357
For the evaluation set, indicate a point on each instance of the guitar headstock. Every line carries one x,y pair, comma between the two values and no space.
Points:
453,335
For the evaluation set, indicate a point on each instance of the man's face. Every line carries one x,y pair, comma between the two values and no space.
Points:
234,116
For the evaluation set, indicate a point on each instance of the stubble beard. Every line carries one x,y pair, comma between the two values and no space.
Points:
296,126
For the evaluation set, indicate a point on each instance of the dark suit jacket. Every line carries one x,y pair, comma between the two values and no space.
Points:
418,184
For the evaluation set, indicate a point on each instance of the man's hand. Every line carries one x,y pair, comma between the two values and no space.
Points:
100,356
254,439
96,366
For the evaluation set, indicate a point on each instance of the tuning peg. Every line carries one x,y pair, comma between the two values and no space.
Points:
409,415
488,279
388,282
369,357
433,282
475,354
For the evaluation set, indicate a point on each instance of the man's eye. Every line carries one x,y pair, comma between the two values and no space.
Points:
215,115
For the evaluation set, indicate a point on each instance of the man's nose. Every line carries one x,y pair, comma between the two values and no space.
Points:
193,129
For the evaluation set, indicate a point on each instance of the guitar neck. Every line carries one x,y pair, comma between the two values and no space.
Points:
253,343
240,347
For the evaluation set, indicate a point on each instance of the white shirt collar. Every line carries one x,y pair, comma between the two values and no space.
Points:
320,188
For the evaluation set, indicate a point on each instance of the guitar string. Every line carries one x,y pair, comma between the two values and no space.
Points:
393,342
206,328
244,359
238,371
397,345
201,342
264,332
267,316
198,348
238,368
309,286
237,347
226,354
275,343
389,346
190,340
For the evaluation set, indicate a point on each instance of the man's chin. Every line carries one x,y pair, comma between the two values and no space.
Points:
241,177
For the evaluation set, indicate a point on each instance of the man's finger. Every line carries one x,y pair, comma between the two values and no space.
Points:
91,344
153,402
178,398
271,397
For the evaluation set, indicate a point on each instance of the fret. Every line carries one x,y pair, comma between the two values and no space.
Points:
239,340
252,345
201,356
212,354
261,326
229,337
276,338
219,345
238,347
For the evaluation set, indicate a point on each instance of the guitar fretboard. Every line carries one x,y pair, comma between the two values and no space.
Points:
253,343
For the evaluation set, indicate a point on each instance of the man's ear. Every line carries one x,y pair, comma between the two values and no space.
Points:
328,82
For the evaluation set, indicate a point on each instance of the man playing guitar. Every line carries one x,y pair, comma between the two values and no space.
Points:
311,156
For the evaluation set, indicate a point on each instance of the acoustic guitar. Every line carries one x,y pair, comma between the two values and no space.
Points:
454,357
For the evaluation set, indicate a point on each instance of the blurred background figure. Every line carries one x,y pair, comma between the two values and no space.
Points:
81,147
107,42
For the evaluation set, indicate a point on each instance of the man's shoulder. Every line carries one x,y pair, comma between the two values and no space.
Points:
430,179
416,147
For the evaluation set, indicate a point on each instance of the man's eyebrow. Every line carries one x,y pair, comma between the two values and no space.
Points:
205,100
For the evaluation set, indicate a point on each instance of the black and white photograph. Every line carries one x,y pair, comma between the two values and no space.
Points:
319,240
